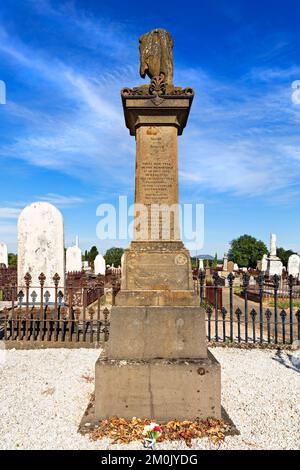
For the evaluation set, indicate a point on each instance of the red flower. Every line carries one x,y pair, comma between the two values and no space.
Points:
157,428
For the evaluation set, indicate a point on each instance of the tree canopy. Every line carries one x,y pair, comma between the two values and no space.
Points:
90,255
284,255
246,251
12,259
113,256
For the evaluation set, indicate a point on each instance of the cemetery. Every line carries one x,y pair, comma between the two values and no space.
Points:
150,353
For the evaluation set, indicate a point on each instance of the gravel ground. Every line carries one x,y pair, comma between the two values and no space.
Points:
44,393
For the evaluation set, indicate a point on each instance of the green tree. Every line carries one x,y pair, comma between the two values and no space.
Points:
246,251
215,261
12,259
91,255
284,255
113,256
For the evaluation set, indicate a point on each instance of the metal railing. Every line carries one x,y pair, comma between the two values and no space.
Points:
273,317
55,313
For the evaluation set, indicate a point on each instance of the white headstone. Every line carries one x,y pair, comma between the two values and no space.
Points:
273,243
99,265
201,263
235,267
275,266
41,246
74,257
294,265
3,254
85,265
264,263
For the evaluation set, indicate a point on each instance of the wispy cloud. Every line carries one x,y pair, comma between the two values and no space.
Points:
9,213
62,201
242,138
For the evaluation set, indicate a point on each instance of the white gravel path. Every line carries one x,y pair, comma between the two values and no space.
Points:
43,396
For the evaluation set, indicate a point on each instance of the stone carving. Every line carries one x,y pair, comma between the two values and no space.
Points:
156,59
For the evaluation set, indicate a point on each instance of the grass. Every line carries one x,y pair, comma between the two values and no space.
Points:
284,304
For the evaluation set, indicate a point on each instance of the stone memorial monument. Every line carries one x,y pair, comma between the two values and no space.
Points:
99,265
41,246
225,263
3,254
274,264
156,363
74,258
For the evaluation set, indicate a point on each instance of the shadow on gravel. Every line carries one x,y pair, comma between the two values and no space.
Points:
288,360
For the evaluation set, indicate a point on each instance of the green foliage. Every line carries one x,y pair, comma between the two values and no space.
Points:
92,255
215,261
284,255
113,256
12,259
246,251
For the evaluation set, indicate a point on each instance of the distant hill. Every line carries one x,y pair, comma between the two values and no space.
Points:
209,257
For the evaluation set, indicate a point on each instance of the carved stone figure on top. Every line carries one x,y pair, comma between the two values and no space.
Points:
157,60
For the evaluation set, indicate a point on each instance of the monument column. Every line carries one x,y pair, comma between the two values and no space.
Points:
156,363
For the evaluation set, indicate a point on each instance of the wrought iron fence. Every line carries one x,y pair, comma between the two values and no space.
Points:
55,314
265,312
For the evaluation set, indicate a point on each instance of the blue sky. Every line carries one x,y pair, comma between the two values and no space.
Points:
62,132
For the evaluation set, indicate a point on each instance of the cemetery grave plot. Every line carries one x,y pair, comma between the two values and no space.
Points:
76,314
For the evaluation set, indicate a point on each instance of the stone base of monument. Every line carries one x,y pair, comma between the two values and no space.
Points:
157,365
157,332
158,388
156,298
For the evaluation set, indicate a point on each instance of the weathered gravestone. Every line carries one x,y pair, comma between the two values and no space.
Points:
74,258
230,266
294,265
99,265
156,363
41,247
3,254
264,263
225,262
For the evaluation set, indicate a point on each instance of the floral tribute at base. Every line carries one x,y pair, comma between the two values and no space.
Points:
123,431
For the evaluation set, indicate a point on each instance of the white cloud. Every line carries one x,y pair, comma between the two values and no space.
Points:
239,138
62,201
9,213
